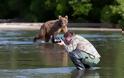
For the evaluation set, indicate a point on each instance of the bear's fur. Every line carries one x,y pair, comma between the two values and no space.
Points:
51,28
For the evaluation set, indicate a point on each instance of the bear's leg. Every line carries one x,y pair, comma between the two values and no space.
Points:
53,39
47,38
37,37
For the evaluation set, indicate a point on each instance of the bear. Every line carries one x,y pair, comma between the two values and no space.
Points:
51,28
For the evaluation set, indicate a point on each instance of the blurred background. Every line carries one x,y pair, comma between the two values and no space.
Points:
96,11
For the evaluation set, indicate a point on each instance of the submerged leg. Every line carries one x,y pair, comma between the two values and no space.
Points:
53,39
36,38
47,38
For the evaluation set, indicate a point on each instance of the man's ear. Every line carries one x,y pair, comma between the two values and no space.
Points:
60,16
66,17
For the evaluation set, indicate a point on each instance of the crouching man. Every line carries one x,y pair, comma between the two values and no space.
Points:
82,53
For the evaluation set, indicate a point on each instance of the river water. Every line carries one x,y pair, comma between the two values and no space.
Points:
21,58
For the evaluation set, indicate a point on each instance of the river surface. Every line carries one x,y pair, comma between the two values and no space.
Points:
21,58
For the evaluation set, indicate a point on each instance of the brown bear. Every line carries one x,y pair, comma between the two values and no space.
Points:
51,28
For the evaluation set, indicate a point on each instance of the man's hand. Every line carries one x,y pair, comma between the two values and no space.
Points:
61,43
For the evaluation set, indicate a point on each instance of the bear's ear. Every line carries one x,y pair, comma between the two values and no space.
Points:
60,16
66,17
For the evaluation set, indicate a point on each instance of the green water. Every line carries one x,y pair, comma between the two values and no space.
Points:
21,58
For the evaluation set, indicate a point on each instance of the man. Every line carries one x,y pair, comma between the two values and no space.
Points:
82,53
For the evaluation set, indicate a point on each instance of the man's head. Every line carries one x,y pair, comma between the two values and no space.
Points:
68,37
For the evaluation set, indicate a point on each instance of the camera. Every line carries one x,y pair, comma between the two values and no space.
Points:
58,40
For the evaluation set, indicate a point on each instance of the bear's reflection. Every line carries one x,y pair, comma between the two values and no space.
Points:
53,55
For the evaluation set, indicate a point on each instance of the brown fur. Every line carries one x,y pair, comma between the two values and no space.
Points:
51,28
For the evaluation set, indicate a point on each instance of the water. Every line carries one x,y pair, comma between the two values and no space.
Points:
21,58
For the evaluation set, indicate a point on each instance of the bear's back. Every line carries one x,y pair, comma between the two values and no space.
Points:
50,23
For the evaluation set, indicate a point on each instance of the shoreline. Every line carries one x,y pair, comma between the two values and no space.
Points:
36,26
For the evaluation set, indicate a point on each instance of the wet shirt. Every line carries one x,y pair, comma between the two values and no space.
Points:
79,42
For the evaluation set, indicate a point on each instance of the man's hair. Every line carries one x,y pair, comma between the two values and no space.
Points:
68,34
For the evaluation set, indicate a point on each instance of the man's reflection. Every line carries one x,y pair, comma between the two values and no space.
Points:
85,74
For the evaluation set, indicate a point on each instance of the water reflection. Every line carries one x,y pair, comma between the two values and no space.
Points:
53,55
85,74
21,58
60,72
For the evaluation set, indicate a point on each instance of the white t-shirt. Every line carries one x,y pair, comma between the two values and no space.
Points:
79,42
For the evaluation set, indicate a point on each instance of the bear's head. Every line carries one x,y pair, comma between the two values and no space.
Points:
63,21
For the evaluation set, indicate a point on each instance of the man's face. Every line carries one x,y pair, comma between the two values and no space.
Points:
68,39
